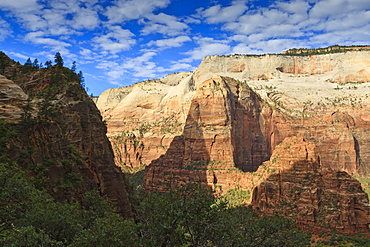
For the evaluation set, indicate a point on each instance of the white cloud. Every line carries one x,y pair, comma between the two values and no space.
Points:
39,38
124,10
276,45
337,8
207,47
19,55
217,14
20,5
4,29
117,40
177,66
245,49
168,43
85,19
163,24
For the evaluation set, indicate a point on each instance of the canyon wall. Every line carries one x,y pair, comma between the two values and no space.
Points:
58,136
220,125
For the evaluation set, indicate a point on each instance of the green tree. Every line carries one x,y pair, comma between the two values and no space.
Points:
192,216
35,63
58,60
73,68
48,63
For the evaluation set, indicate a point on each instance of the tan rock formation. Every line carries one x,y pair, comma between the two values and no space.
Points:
345,67
314,194
144,118
300,87
11,99
225,131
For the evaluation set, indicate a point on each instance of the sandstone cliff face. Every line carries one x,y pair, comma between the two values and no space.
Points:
225,131
303,188
339,67
144,118
60,137
222,131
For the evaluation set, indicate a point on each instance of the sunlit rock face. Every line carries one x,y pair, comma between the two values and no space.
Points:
220,123
299,95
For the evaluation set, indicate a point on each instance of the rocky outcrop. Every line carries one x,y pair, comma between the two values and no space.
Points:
233,112
339,67
11,96
58,136
330,49
303,188
224,133
144,118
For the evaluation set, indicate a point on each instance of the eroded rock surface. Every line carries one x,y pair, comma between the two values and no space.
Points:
58,135
314,194
209,126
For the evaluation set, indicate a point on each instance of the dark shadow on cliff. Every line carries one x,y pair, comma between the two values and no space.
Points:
186,159
316,197
251,146
224,126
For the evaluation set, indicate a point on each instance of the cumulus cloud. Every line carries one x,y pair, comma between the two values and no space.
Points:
116,40
217,13
124,10
40,39
169,43
20,5
163,24
4,30
206,47
286,22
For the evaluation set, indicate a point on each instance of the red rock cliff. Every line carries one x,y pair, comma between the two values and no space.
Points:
60,135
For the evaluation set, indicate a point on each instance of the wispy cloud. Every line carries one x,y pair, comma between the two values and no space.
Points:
163,24
125,10
218,14
116,40
4,29
169,43
40,39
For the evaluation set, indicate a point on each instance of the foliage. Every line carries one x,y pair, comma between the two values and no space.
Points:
192,216
58,60
237,197
30,217
335,239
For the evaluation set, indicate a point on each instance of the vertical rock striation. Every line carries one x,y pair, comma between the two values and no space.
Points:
315,195
59,137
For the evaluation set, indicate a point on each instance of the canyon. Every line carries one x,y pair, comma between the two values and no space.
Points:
288,130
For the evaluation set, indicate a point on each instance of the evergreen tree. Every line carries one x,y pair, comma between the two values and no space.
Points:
73,68
81,79
36,63
58,60
27,67
28,63
48,63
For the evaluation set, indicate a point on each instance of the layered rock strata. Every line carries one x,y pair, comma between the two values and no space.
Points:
225,131
303,188
59,136
222,131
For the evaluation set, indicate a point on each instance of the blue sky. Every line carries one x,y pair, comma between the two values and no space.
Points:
120,42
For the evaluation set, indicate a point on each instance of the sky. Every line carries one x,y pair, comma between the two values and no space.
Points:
117,43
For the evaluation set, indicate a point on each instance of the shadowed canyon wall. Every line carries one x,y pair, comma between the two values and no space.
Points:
220,124
59,137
